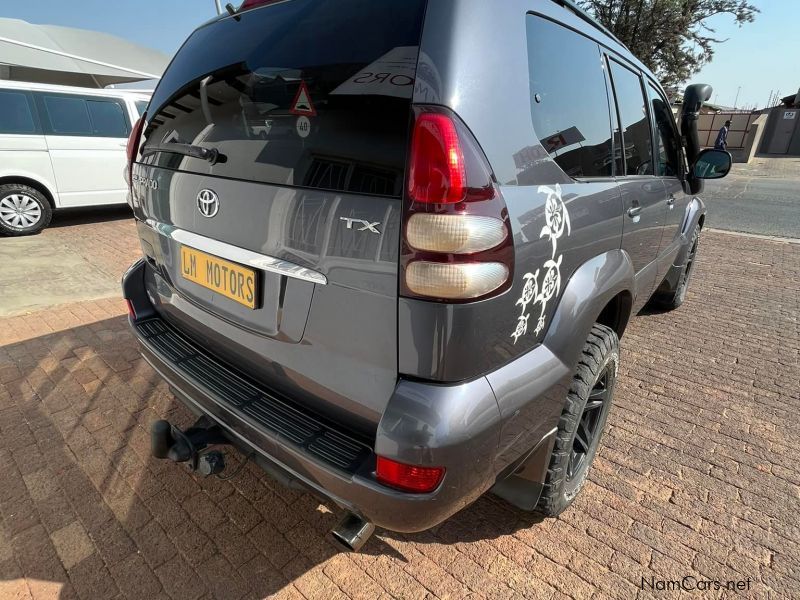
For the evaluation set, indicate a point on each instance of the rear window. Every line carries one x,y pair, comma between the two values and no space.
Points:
303,93
16,115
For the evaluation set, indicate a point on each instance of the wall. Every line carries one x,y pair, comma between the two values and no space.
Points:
709,125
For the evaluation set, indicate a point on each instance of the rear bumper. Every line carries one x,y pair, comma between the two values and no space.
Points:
459,427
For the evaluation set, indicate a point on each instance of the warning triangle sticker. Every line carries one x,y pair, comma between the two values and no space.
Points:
302,102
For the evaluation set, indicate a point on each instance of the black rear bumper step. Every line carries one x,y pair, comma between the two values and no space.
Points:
306,431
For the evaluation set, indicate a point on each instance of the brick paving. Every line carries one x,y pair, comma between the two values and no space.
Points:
699,472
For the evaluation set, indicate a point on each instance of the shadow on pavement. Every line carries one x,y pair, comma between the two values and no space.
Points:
87,511
66,217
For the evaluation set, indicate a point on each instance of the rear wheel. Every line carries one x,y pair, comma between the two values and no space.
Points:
582,421
23,210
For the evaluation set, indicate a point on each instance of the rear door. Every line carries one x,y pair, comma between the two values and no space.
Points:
643,194
307,104
86,137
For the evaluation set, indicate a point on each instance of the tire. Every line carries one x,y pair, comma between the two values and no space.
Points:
674,300
23,210
596,372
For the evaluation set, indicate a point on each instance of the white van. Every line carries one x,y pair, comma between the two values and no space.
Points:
61,147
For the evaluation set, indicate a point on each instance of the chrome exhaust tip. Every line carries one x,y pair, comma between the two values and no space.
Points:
352,532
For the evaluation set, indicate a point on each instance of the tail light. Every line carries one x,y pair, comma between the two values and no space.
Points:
253,3
131,310
457,244
133,146
408,478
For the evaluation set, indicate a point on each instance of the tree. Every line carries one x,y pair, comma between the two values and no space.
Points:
672,37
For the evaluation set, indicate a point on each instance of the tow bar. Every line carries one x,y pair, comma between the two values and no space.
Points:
168,442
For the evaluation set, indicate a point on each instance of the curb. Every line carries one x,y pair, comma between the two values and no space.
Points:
770,238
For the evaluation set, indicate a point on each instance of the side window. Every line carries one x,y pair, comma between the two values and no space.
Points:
16,115
67,115
637,144
141,106
84,116
108,118
569,101
667,139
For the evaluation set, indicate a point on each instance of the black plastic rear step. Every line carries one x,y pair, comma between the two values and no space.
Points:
306,431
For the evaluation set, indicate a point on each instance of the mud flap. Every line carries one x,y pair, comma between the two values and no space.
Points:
523,486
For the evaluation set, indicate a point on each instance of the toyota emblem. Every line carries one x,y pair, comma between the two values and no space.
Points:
207,203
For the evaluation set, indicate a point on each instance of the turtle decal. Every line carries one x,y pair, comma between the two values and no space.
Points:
557,222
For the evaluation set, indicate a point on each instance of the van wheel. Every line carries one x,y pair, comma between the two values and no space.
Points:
582,421
23,210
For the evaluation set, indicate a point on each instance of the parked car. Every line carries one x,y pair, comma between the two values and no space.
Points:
61,147
390,248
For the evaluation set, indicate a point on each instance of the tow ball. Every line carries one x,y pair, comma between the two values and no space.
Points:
169,442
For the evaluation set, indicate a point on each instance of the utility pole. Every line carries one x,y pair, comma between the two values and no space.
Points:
219,6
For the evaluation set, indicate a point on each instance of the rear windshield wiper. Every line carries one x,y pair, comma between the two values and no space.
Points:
212,155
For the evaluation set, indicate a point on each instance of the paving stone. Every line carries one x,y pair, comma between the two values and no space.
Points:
72,544
695,474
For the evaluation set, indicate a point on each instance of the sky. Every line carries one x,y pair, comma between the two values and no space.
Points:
760,56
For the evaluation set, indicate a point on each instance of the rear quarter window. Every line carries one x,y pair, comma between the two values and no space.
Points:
141,106
569,99
303,93
16,113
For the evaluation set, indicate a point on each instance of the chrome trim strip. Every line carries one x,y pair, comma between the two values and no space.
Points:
238,255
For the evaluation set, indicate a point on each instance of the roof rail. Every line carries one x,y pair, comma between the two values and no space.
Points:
584,16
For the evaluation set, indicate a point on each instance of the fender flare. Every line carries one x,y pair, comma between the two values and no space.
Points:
694,212
590,288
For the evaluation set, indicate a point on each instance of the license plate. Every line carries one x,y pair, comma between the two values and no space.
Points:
221,276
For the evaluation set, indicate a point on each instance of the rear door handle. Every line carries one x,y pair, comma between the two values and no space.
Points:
634,212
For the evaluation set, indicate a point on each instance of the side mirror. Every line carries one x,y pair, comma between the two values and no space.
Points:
712,164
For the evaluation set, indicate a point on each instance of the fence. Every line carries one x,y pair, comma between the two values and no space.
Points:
709,125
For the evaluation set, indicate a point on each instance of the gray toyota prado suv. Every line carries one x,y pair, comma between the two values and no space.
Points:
389,247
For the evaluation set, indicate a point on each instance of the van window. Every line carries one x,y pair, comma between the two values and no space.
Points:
16,115
84,116
569,100
108,118
636,134
141,106
667,139
305,93
67,115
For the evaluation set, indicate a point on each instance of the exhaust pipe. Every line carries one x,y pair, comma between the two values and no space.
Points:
352,532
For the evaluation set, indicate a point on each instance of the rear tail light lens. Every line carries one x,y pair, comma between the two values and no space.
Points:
437,173
408,478
460,234
133,145
457,244
131,310
455,281
253,3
